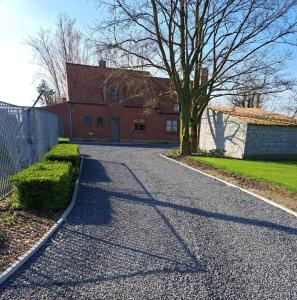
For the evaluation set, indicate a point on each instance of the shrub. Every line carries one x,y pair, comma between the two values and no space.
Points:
63,140
64,152
216,153
174,152
44,185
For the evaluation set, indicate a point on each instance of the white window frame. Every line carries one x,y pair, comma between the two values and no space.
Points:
172,126
139,121
176,107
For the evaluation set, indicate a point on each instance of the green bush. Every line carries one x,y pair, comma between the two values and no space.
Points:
174,152
63,140
216,153
64,152
44,185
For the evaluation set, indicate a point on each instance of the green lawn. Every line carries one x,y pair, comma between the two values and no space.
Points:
282,173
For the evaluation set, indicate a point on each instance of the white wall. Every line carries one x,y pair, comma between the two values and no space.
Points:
223,132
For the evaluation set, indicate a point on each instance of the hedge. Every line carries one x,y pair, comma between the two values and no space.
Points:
64,152
63,140
44,185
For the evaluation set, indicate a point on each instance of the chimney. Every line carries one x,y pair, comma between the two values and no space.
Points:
204,75
102,63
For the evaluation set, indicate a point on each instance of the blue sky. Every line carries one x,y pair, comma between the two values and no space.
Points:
20,18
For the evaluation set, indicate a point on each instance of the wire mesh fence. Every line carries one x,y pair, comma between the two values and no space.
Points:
25,135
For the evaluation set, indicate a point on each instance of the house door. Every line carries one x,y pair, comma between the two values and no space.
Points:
61,126
115,129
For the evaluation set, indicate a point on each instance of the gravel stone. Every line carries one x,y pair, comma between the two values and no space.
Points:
144,227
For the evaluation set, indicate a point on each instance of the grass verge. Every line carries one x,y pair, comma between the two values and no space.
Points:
270,187
281,173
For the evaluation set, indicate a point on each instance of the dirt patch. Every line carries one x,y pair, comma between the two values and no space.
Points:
272,192
20,230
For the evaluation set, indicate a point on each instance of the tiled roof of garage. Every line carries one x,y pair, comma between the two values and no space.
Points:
256,116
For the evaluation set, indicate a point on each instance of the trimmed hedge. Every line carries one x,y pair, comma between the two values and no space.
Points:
63,140
64,152
44,185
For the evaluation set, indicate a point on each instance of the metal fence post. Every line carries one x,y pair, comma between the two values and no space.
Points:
30,138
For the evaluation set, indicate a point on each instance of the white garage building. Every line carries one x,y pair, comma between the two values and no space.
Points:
248,132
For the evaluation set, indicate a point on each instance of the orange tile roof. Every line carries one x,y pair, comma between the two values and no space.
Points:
256,116
84,81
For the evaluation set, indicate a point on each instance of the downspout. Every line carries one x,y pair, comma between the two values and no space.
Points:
70,119
69,105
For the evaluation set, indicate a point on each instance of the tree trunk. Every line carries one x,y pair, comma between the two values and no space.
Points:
184,125
193,129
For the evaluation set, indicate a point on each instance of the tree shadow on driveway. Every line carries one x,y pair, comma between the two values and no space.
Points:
86,250
151,201
208,214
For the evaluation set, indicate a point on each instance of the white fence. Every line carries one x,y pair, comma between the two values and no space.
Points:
25,135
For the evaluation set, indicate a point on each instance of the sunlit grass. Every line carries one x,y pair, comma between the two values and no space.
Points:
282,173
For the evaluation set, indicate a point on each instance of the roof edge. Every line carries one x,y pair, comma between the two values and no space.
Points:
107,68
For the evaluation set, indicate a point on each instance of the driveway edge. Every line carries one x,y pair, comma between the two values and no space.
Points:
24,258
235,186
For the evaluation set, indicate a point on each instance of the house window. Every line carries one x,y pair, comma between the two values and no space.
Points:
114,95
139,124
176,107
99,121
171,125
87,120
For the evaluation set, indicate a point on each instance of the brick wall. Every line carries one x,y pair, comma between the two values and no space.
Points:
223,132
61,110
279,141
155,122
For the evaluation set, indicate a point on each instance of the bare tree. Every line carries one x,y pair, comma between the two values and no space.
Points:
53,49
181,37
252,94
291,107
261,87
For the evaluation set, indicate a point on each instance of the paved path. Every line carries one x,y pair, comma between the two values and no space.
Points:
146,228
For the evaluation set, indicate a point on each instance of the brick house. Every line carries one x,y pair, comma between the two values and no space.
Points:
248,132
116,105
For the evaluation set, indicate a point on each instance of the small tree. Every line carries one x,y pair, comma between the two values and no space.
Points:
48,95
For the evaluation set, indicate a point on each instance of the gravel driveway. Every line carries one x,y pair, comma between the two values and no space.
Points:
144,227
